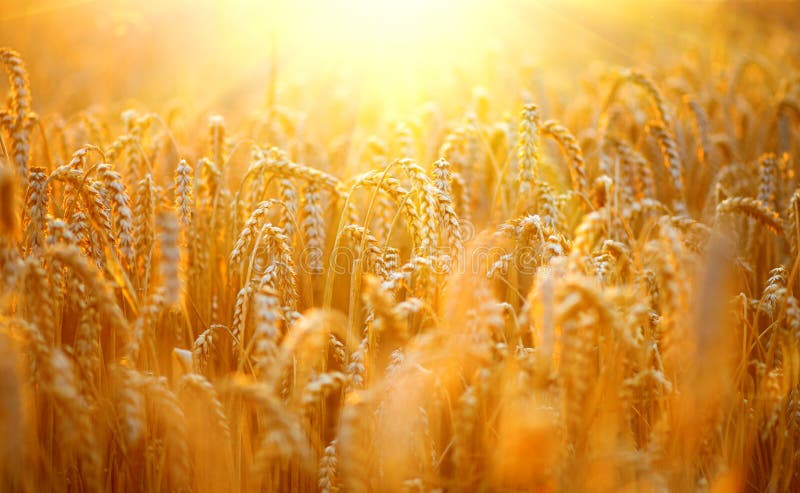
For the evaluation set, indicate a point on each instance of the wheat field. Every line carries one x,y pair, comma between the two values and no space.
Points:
535,277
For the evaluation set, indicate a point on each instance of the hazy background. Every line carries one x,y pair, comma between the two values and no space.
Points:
395,54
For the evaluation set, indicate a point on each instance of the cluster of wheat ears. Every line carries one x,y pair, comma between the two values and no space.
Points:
598,302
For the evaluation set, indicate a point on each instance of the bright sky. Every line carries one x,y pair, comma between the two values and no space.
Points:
395,51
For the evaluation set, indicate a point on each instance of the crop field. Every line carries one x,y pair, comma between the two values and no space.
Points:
422,246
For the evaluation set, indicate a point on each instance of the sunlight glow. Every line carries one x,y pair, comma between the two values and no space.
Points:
398,53
376,41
